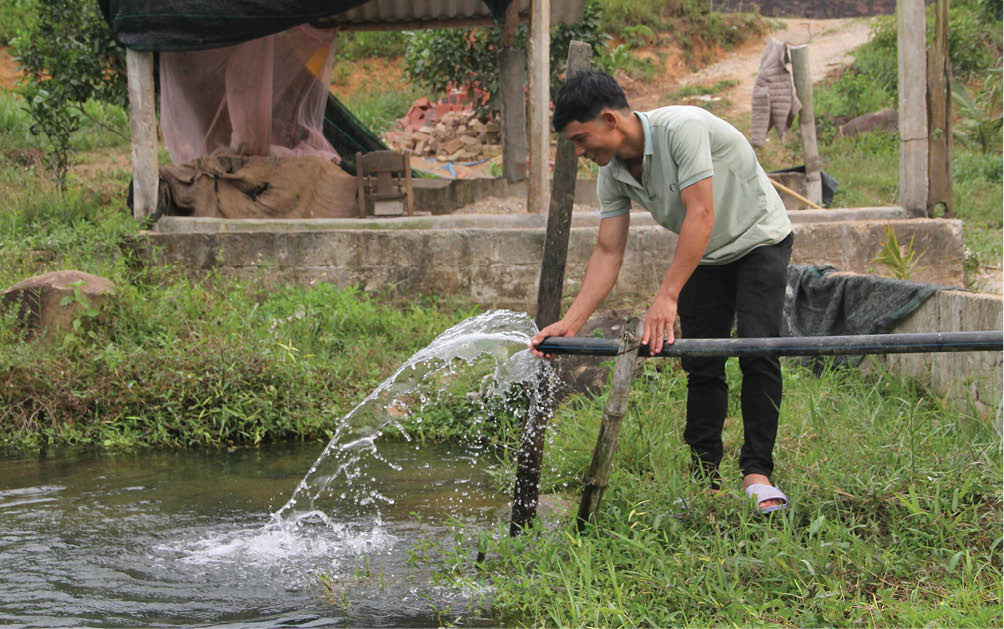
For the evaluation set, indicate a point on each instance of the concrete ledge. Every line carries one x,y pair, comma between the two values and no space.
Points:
971,381
500,266
496,262
580,218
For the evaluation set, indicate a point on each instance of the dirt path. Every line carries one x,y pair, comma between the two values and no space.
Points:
831,44
9,74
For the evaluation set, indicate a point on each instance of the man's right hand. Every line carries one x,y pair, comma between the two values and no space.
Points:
558,328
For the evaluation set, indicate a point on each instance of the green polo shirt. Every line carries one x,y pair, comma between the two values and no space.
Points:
684,145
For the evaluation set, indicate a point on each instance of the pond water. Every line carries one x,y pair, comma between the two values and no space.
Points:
187,538
280,536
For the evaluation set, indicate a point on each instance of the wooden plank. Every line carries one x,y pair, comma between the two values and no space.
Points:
540,132
512,83
559,214
143,124
913,143
807,122
606,444
939,101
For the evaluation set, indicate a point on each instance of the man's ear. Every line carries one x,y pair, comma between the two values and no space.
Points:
609,118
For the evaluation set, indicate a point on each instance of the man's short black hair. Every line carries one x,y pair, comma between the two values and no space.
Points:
584,95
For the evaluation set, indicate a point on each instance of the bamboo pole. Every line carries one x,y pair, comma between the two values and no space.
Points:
603,455
540,134
143,123
807,122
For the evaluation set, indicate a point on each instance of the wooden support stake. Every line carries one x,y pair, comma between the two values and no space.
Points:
613,413
143,123
912,82
807,122
512,86
559,215
531,451
939,101
540,129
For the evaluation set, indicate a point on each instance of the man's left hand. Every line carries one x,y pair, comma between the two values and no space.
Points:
659,323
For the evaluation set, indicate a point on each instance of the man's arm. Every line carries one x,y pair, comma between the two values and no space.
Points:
690,246
601,275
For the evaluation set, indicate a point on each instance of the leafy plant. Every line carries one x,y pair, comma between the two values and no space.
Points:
638,35
68,58
621,58
979,124
15,15
899,260
353,45
443,58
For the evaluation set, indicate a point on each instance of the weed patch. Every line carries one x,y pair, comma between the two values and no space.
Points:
895,520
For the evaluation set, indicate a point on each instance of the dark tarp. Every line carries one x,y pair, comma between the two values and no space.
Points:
347,134
177,25
822,302
829,184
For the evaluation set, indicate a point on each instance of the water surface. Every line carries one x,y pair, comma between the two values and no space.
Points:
187,538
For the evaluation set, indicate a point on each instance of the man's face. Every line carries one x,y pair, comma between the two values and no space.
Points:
596,139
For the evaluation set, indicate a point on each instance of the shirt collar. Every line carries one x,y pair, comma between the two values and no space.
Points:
618,165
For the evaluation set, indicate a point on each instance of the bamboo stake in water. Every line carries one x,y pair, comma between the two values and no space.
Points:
613,413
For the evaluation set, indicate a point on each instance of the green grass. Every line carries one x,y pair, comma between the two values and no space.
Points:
352,45
896,518
174,361
701,90
379,109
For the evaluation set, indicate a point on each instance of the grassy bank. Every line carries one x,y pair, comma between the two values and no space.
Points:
173,360
896,518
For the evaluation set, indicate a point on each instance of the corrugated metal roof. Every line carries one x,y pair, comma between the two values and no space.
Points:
440,13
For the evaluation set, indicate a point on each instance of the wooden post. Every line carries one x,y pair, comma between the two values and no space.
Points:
912,106
613,413
552,277
807,122
512,86
540,129
529,457
143,123
559,215
939,102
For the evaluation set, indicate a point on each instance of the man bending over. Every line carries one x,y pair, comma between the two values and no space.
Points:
698,177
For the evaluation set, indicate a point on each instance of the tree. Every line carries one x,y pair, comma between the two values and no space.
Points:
68,58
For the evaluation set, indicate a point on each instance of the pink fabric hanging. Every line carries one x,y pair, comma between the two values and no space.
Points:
262,97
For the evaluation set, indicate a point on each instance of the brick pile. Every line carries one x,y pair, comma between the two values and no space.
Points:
448,130
459,136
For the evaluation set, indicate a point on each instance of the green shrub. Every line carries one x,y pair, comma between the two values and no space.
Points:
618,14
438,59
69,59
352,45
15,17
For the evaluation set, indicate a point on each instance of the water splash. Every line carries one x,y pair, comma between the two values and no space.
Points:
496,339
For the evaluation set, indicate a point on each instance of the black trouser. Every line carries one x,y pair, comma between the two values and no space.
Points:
751,292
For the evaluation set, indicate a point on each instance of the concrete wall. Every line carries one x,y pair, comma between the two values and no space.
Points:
500,266
971,381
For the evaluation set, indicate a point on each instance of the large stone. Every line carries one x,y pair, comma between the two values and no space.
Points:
885,119
50,302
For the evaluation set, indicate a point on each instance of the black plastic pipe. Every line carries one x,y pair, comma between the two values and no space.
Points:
914,343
